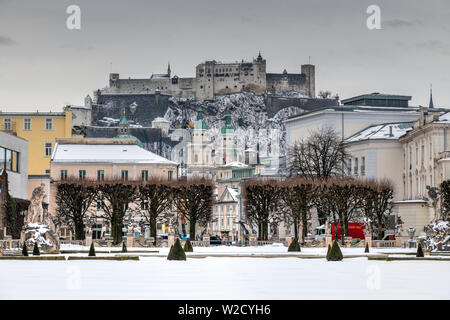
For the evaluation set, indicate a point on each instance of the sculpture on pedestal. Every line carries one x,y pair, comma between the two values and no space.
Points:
38,226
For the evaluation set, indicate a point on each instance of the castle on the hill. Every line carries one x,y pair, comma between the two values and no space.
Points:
215,78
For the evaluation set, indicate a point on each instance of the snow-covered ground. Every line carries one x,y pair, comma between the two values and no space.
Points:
227,278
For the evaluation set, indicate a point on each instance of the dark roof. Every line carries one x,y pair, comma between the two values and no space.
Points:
376,96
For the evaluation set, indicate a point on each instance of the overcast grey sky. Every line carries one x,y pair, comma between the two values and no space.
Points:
44,65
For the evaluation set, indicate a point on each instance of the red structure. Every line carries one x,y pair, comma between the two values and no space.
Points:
355,230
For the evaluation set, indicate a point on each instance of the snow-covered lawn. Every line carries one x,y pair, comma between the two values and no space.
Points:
227,278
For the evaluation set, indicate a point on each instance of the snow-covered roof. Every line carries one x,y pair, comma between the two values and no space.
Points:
386,131
109,153
445,118
159,76
234,193
235,164
160,119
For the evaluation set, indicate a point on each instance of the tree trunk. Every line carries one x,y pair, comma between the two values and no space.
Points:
304,225
116,229
153,228
296,228
192,224
79,230
380,231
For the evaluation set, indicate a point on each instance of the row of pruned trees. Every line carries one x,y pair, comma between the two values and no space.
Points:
113,200
340,200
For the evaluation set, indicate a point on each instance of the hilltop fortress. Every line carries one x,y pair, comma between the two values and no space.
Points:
215,78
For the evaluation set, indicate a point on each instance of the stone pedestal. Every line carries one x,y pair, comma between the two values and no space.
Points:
206,241
328,240
368,240
398,241
88,240
253,240
130,241
170,240
288,240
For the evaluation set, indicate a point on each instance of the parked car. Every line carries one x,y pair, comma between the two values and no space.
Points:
215,240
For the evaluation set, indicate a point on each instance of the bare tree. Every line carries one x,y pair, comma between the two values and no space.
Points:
261,203
377,204
114,197
320,156
194,200
156,199
73,199
299,196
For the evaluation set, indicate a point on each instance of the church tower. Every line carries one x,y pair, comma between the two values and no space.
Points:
123,124
229,153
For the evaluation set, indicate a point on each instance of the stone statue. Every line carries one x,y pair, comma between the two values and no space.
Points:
35,212
38,225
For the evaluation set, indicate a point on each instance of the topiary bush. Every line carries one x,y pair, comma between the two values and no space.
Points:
36,251
419,253
335,253
294,246
328,251
176,252
92,250
367,248
188,246
124,247
24,250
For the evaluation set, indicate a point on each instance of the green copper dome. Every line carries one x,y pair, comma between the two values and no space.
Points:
200,124
227,128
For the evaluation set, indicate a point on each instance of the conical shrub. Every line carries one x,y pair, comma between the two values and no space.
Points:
36,251
92,250
176,252
294,246
124,247
188,246
24,250
367,248
328,251
419,253
335,253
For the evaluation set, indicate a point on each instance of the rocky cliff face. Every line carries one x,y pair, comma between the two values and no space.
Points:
257,119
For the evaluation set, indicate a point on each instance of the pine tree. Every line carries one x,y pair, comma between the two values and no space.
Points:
367,248
176,252
419,253
124,247
188,246
24,250
92,250
36,249
328,251
335,253
294,246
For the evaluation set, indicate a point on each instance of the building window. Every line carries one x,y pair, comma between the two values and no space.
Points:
49,124
82,174
363,166
7,124
27,124
195,158
356,167
124,174
170,175
48,149
100,175
63,174
349,167
144,175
